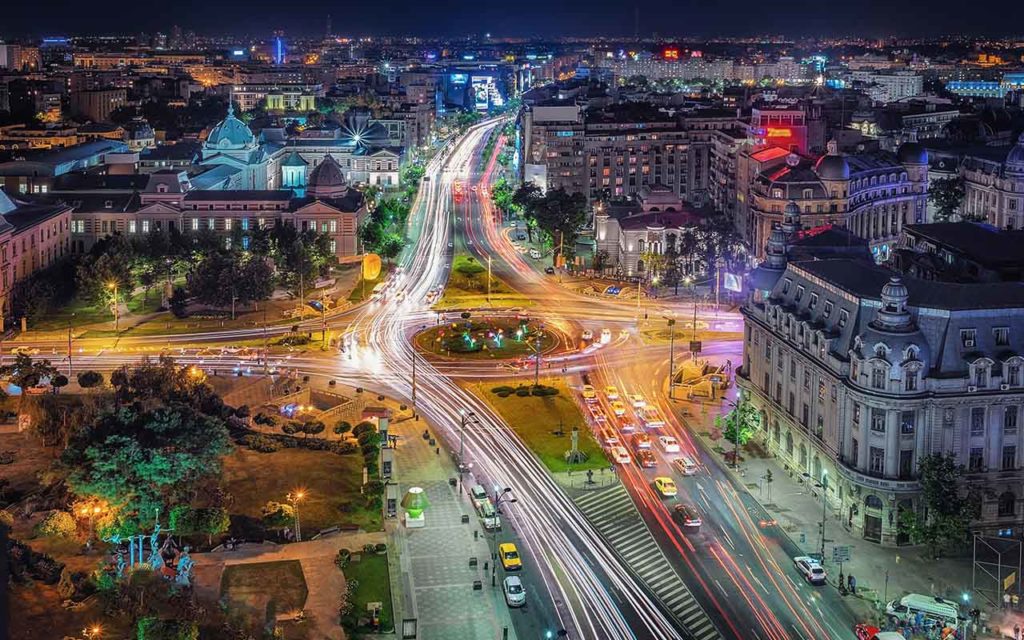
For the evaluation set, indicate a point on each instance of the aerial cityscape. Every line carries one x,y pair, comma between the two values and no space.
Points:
590,321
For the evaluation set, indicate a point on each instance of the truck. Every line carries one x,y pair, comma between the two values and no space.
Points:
485,508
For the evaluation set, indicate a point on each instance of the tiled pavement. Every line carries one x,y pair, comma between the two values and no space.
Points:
616,518
434,562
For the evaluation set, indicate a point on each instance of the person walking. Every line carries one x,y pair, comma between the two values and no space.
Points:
851,582
1006,600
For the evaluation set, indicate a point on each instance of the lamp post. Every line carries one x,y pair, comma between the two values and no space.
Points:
464,418
824,510
488,278
70,366
505,495
671,357
294,498
117,313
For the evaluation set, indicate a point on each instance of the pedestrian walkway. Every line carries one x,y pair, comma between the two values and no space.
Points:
615,516
440,563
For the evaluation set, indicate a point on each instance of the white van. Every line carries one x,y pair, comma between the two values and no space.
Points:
686,465
933,607
535,254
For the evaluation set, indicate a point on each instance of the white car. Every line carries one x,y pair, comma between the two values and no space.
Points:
668,444
606,336
637,401
811,569
620,455
515,593
535,254
587,334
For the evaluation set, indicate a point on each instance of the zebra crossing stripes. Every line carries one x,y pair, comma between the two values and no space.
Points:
612,512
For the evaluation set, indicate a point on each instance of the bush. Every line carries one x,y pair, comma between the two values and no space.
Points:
522,392
90,379
369,547
381,548
294,341
58,524
363,427
6,518
504,394
342,427
342,448
261,443
541,390
265,419
342,559
277,514
6,457
502,389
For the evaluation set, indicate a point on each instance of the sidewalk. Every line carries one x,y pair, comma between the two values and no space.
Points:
882,573
434,581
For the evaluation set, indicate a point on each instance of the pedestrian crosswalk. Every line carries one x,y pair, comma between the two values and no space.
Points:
612,512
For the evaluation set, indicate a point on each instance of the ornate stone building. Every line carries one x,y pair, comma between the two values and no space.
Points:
858,373
994,190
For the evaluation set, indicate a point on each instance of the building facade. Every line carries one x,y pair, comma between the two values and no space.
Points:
994,189
857,374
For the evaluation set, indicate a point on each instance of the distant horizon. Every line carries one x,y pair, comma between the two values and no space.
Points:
874,19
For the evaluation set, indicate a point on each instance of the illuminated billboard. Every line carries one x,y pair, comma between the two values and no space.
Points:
459,78
482,86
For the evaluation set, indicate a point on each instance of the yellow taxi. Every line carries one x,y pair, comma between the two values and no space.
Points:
665,486
618,408
611,392
510,558
588,392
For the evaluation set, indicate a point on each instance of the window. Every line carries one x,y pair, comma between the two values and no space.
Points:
968,338
227,224
856,413
1010,420
819,428
245,224
907,422
261,223
821,391
799,293
785,285
334,226
976,459
978,421
792,404
792,369
813,301
1001,335
195,224
1009,457
906,464
854,451
910,380
1013,375
981,376
323,227
844,317
827,311
145,226
876,460
806,414
878,420
211,223
1007,504
334,246
131,226
245,242
807,379
877,377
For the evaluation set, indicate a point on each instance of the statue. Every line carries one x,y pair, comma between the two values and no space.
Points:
574,455
185,564
121,564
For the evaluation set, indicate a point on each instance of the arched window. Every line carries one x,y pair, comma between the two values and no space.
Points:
878,377
1007,504
789,443
803,456
777,433
873,502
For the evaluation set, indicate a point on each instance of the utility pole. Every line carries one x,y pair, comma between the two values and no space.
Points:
414,381
536,364
323,317
70,367
671,357
824,511
488,278
266,346
464,417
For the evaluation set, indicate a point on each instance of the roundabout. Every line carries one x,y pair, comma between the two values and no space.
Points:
488,338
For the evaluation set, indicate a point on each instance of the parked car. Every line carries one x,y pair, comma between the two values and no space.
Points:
587,334
550,271
535,254
515,594
510,559
665,486
811,569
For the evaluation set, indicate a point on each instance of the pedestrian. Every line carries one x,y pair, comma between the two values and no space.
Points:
1006,600
1015,599
852,584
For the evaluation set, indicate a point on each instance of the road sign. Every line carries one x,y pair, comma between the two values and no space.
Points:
840,553
695,346
1009,580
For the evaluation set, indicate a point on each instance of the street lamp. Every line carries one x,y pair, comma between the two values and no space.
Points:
824,509
671,356
464,417
94,631
295,497
117,313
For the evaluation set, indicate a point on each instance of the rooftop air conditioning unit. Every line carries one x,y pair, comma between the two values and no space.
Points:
969,342
971,389
1004,387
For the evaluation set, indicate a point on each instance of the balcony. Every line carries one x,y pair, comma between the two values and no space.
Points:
884,484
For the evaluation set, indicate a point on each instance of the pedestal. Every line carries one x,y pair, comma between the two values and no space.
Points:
415,523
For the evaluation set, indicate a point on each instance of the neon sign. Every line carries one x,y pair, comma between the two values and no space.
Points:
671,54
775,132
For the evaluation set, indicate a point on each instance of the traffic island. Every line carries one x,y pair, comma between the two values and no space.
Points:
486,338
470,285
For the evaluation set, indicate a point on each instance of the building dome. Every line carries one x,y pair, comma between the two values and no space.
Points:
327,179
832,167
230,133
912,152
893,314
1015,159
791,219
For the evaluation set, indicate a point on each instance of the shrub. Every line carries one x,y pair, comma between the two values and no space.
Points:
243,411
541,390
522,392
58,524
342,559
90,379
342,427
363,427
502,389
261,443
369,547
265,419
504,394
294,341
6,457
277,514
6,518
381,548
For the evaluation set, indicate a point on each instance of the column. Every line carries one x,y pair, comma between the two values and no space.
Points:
892,444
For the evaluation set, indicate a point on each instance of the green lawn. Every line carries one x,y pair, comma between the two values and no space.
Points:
361,292
374,586
450,341
82,312
252,586
536,419
467,287
331,483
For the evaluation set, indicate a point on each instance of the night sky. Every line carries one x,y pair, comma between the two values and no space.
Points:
541,18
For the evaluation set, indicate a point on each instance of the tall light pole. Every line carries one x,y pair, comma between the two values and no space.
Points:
824,510
504,496
464,417
70,367
295,497
488,278
117,312
671,357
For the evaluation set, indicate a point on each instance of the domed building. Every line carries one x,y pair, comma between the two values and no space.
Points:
858,374
994,185
237,161
871,194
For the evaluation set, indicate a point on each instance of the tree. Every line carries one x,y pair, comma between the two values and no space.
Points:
151,628
561,215
58,382
211,521
740,423
58,524
90,379
342,427
277,514
947,196
26,372
140,460
179,302
313,428
945,519
526,199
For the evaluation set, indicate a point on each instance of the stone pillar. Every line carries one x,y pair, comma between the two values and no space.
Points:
892,444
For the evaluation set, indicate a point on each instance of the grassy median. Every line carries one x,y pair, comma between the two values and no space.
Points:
467,287
538,419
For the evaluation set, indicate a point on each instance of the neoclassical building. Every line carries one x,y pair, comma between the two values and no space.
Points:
857,373
235,159
871,194
994,190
